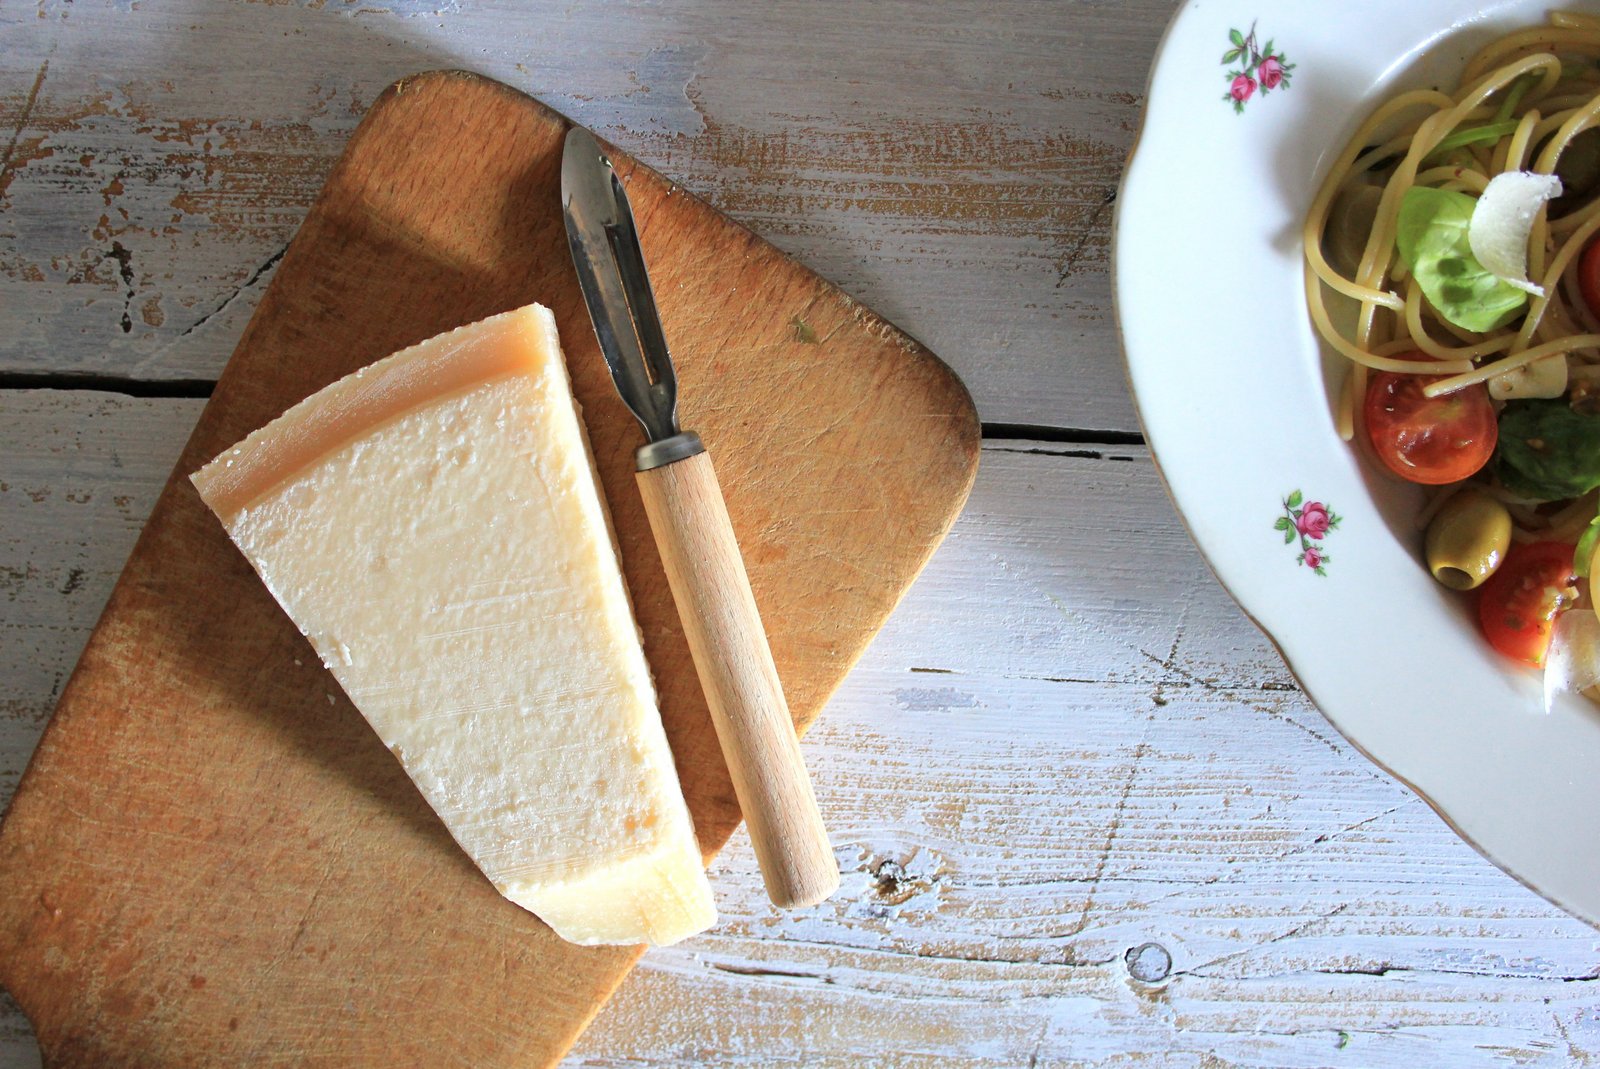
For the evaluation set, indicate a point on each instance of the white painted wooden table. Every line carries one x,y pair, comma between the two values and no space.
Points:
1067,744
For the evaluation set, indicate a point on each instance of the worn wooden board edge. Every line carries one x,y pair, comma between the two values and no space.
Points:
970,436
177,483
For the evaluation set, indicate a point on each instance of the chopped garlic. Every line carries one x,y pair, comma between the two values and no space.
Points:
1573,661
1542,378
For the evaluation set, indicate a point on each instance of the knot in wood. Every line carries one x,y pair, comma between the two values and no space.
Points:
1149,963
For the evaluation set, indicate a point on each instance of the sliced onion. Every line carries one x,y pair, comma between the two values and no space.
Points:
1573,661
1502,221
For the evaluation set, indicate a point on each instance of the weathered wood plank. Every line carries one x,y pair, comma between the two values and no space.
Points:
1012,832
950,165
1066,744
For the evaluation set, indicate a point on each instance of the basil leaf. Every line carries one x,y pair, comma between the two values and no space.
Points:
1547,451
1432,239
1471,136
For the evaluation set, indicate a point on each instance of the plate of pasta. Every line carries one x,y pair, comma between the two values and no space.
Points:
1357,272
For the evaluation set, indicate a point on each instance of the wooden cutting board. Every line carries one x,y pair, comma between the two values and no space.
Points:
211,859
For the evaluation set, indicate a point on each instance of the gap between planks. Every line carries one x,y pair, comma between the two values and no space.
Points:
1040,437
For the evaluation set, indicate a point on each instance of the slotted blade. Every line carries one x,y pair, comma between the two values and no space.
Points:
616,287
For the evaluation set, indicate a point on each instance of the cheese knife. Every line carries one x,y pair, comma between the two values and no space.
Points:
692,530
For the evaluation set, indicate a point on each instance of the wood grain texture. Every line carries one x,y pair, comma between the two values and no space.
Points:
1041,765
1066,743
951,165
722,625
210,860
78,475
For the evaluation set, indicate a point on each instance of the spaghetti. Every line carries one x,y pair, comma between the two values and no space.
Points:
1452,259
1541,87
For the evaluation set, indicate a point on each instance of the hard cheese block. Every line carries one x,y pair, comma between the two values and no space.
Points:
434,525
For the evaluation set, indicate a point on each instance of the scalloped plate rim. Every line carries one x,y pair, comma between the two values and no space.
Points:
1546,863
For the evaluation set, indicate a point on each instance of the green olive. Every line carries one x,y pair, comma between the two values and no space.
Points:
1350,219
1468,539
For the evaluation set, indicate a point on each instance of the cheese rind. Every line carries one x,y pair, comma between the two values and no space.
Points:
434,525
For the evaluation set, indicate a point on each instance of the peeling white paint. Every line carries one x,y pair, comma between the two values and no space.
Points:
948,164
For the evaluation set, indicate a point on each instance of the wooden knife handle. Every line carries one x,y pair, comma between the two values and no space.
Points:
712,591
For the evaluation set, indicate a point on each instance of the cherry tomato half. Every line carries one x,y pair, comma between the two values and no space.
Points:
1589,276
1432,440
1517,605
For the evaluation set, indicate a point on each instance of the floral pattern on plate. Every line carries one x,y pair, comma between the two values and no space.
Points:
1251,67
1310,522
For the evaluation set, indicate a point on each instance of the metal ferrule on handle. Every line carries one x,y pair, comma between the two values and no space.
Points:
680,446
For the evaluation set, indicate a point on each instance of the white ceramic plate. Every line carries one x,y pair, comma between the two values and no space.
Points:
1231,386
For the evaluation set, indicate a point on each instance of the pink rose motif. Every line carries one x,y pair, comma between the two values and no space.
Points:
1251,65
1271,71
1306,522
1313,520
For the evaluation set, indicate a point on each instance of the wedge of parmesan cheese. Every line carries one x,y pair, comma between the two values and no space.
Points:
434,525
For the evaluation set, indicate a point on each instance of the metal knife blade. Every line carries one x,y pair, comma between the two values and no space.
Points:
616,286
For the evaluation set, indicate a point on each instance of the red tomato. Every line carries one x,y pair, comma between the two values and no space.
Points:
1432,440
1518,604
1589,276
